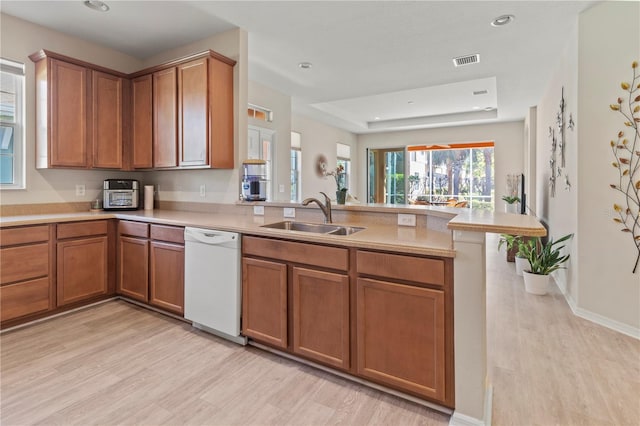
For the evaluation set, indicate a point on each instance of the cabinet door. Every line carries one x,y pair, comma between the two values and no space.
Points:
401,336
193,123
321,316
221,112
165,122
167,276
264,301
68,115
142,122
133,279
106,102
82,269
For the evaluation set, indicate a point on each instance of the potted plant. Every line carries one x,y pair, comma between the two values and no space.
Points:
543,260
522,263
511,243
341,191
512,203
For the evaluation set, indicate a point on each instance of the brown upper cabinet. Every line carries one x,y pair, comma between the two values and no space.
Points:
79,113
175,115
192,108
165,114
142,122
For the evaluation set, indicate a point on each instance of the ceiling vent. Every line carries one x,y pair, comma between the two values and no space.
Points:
480,92
466,60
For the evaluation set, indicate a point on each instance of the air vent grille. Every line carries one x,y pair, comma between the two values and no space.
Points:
466,60
480,92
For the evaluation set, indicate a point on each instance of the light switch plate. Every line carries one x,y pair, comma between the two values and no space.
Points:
406,219
258,210
289,212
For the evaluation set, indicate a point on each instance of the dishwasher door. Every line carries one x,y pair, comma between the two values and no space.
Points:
212,282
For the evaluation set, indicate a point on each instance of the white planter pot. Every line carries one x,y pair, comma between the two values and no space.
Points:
522,264
511,208
536,284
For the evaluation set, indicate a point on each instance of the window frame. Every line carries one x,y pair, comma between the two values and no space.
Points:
17,70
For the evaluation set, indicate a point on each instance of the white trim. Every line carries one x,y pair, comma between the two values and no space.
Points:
601,320
459,419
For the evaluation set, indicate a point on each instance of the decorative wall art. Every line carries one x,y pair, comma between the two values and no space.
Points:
626,151
559,141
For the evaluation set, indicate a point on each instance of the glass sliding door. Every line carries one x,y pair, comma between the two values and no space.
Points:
386,176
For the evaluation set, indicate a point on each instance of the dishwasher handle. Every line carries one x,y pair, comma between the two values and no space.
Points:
211,237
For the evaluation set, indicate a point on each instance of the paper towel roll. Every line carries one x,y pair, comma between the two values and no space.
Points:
148,197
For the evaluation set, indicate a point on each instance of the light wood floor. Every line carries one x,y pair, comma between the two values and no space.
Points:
120,364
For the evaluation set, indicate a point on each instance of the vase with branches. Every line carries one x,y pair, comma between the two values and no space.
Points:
339,175
626,151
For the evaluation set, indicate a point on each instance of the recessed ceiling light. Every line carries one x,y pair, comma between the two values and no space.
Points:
376,118
305,65
476,107
502,20
98,5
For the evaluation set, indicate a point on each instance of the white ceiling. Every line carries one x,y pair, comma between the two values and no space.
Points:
370,58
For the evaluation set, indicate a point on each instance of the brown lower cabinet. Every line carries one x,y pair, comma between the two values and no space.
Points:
321,316
82,259
264,301
401,336
385,317
26,285
151,264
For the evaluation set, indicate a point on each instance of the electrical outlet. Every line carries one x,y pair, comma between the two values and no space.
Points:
203,190
281,188
80,190
406,219
289,212
258,210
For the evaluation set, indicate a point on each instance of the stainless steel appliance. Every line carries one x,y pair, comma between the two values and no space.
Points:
121,194
212,283
254,182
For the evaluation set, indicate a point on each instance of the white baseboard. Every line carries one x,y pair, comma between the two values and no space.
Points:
601,320
459,419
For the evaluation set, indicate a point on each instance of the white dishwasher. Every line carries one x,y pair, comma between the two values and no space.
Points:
212,283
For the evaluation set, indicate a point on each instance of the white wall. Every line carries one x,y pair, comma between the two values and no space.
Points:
19,39
559,213
280,104
609,41
318,138
508,151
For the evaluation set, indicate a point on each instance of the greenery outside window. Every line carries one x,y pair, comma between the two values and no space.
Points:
343,155
11,125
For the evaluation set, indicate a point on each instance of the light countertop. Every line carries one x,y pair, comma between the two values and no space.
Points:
416,240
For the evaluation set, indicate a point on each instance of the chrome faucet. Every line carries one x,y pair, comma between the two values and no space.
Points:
326,208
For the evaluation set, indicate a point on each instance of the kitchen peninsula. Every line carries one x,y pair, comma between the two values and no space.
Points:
455,236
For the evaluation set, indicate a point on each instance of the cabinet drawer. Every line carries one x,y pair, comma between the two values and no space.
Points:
24,298
289,251
24,262
172,234
409,268
82,229
135,229
23,235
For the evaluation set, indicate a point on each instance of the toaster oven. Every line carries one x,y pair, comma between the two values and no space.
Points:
121,194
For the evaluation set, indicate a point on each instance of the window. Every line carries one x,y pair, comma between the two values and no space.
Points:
343,155
261,146
296,167
463,172
260,113
11,125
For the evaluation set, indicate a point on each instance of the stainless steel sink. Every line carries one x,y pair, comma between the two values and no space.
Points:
314,228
